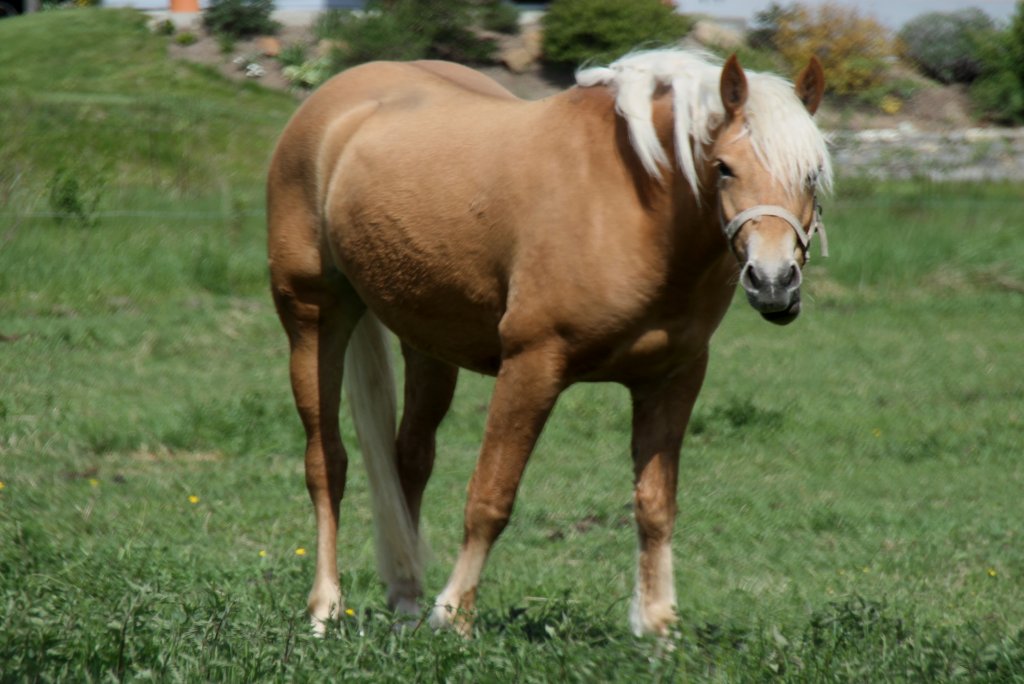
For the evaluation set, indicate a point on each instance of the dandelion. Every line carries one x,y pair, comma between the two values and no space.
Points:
94,482
300,551
350,612
2,485
992,572
263,553
193,499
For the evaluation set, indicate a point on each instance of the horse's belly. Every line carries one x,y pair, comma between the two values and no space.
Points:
432,284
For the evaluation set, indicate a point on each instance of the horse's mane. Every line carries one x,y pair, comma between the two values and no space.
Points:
782,132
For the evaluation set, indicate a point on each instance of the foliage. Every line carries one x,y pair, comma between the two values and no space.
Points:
944,45
164,28
499,15
240,18
853,48
186,38
292,54
578,31
404,30
765,28
998,92
309,73
71,201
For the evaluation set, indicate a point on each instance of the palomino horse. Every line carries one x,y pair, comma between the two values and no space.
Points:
594,235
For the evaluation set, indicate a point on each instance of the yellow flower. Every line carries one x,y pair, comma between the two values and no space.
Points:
300,551
2,485
263,553
350,612
992,572
876,432
193,499
94,482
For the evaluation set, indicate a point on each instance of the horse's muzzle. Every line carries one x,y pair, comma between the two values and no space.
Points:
773,292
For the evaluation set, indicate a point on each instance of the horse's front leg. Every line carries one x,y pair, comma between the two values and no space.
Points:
525,392
661,412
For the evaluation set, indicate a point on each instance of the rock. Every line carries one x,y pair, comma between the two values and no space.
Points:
709,33
532,37
517,60
269,46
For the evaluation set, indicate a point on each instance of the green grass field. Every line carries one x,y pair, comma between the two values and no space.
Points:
850,500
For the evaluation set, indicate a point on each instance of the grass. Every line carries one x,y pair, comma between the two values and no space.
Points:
850,494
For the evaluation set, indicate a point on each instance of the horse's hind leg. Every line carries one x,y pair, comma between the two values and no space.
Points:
429,387
319,315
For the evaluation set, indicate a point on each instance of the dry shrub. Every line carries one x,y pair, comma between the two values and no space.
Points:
854,48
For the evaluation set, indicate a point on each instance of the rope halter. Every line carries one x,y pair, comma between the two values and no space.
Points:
804,236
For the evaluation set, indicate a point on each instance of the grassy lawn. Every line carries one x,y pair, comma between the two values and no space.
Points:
850,500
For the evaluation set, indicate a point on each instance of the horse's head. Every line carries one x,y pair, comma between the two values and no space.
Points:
768,219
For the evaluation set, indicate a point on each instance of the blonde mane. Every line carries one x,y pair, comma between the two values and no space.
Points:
782,132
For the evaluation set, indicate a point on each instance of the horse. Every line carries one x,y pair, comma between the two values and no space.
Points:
595,235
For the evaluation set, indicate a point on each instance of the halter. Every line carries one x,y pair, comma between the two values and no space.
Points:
804,236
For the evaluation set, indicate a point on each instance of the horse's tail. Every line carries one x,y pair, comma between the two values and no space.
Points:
370,389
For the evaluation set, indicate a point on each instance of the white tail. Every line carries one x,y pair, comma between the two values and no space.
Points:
370,389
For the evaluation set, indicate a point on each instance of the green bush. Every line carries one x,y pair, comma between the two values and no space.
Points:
578,31
186,38
240,18
500,16
762,35
404,30
944,45
998,92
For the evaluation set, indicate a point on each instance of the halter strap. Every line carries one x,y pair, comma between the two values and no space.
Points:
804,236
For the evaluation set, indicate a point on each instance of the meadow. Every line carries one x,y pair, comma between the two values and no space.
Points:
850,496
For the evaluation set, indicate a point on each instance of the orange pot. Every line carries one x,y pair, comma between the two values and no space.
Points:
184,5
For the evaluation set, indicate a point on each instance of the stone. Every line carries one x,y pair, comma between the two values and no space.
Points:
269,46
517,60
710,33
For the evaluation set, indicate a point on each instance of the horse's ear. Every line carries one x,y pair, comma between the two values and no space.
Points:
810,84
733,86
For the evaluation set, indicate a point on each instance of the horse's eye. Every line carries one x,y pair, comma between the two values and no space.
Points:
724,171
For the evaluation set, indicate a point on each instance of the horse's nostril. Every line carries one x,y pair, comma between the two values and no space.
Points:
755,282
790,276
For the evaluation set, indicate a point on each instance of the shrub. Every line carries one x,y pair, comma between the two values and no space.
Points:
403,30
186,38
854,49
944,45
998,92
765,30
293,54
164,28
500,16
240,18
577,31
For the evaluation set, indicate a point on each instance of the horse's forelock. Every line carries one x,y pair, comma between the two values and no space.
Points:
784,136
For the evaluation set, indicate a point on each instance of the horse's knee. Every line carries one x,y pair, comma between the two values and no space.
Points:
485,520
